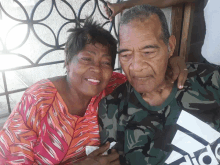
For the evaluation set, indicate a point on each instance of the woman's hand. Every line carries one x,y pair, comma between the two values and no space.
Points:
178,70
96,157
115,9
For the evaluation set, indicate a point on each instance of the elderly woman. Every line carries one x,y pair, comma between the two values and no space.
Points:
57,118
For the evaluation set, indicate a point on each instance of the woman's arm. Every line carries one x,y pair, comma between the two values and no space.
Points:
17,137
119,7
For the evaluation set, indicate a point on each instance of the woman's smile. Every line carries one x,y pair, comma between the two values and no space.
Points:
93,81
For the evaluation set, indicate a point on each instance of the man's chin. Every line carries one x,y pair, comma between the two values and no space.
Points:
143,89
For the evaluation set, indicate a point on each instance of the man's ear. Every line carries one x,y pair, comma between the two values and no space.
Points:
171,45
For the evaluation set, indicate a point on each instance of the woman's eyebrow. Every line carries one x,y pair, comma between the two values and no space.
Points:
106,55
91,52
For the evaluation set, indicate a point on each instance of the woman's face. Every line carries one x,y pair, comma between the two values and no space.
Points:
90,70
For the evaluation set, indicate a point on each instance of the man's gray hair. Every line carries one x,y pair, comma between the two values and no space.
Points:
145,11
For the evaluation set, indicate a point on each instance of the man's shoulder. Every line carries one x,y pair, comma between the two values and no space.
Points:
202,71
120,92
197,68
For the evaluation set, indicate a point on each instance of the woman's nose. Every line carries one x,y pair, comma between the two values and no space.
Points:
96,67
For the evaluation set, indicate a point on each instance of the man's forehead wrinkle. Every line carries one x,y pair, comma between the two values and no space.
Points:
148,40
148,34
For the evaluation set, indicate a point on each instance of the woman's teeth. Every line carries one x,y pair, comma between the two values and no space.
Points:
92,80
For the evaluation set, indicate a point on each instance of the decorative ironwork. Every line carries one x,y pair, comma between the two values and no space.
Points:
30,22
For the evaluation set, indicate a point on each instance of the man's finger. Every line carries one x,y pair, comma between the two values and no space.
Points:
116,162
113,156
101,150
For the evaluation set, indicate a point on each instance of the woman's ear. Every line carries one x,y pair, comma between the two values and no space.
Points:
171,45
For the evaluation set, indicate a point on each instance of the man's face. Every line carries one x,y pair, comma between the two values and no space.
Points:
143,54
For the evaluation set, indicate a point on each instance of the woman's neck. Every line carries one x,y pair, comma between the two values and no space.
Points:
75,101
159,95
79,102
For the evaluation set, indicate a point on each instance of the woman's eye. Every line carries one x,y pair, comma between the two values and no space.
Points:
106,63
86,59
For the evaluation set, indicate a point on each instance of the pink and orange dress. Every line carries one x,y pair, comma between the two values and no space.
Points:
41,131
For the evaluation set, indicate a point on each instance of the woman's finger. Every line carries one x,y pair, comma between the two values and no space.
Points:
183,72
182,78
108,9
178,66
176,73
173,66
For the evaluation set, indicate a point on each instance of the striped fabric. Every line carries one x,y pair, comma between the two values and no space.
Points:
41,131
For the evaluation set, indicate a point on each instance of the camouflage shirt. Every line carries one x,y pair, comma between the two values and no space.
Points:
158,135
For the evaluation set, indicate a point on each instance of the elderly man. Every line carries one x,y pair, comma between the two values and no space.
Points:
151,120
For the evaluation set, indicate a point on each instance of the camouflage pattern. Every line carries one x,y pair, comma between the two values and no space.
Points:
144,133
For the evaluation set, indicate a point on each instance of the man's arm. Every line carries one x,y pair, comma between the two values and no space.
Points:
107,120
119,7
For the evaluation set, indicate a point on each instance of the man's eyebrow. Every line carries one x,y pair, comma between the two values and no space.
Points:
150,46
145,47
122,50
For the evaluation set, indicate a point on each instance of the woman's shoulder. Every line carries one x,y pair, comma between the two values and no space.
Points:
116,80
118,77
36,99
41,88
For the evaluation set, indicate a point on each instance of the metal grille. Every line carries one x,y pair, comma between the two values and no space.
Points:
44,42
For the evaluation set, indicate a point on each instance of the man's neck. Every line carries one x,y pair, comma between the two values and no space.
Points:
159,95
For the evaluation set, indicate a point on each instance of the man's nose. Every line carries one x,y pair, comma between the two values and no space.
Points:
136,64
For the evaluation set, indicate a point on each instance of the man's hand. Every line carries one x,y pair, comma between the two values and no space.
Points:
178,70
96,157
115,9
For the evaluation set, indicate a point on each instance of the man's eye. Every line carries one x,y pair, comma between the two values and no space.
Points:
124,55
149,54
146,53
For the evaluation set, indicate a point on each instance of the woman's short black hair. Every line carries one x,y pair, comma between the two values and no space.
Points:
91,32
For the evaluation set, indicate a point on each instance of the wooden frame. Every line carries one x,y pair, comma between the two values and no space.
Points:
182,17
